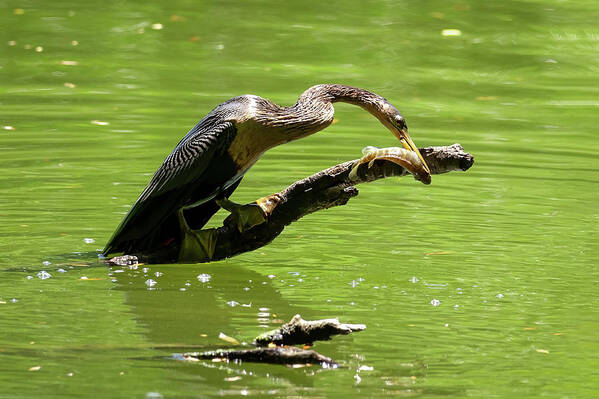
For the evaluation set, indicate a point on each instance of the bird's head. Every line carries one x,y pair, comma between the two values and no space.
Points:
392,119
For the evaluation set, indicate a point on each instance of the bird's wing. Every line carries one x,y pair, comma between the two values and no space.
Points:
185,165
189,159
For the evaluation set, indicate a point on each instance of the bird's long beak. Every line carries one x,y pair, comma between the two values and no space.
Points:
408,144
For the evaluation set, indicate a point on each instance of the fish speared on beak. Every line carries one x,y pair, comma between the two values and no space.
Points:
408,144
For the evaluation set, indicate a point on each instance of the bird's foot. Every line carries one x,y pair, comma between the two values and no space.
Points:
196,245
408,160
243,216
247,216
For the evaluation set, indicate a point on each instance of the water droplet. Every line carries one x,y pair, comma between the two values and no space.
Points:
187,284
271,276
414,280
46,263
14,300
204,278
61,270
43,275
456,306
182,289
29,277
89,240
435,302
158,274
150,282
232,303
499,296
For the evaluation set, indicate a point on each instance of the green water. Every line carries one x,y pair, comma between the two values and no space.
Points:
508,249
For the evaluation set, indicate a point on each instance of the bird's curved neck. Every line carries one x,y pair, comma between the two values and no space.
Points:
339,93
314,111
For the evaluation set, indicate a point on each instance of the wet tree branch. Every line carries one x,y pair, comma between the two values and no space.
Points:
325,189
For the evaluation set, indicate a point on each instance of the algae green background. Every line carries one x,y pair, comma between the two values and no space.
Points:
509,248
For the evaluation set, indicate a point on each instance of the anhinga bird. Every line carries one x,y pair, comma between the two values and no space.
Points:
208,164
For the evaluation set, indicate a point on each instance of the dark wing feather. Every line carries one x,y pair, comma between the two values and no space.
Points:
172,182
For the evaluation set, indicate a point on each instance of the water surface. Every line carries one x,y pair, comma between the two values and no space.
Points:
93,97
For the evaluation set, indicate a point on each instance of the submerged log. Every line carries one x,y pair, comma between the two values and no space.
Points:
325,189
273,346
276,355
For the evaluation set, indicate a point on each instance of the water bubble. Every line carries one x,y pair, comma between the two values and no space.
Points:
150,282
435,302
89,240
43,275
204,277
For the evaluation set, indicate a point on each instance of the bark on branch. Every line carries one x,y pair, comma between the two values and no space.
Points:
325,189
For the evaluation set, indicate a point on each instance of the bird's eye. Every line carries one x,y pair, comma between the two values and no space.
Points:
401,122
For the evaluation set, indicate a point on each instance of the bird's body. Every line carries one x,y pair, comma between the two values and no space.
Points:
210,161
